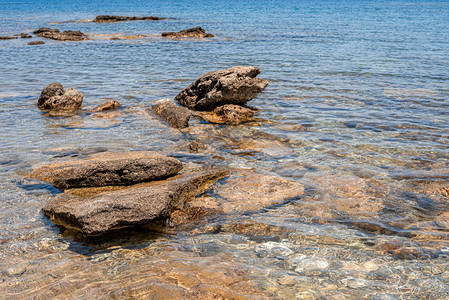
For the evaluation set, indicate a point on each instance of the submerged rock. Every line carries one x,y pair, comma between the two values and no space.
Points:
109,169
229,114
196,32
109,105
55,34
109,19
53,96
138,205
129,37
176,116
248,191
236,85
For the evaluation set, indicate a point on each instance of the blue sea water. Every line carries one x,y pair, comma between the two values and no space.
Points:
358,96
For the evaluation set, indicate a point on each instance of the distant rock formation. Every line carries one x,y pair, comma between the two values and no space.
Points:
196,32
55,34
110,19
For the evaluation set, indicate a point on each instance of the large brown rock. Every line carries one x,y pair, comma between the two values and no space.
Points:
138,205
55,34
109,169
196,32
53,96
229,114
236,85
175,115
110,19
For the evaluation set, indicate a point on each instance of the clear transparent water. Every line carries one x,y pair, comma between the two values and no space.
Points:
356,111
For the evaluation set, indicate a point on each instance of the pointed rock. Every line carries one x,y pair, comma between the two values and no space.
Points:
236,85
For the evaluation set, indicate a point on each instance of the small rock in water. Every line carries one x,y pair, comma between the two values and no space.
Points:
196,32
54,97
236,85
24,36
109,105
176,116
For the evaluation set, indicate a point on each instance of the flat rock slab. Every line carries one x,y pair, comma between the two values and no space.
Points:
54,97
110,19
196,32
55,34
175,115
229,114
236,85
137,205
106,169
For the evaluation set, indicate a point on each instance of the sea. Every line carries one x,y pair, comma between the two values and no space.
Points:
356,112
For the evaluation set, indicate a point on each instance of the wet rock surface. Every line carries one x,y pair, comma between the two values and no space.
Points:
109,169
55,34
54,97
109,105
236,85
229,114
110,19
129,37
196,32
175,115
138,205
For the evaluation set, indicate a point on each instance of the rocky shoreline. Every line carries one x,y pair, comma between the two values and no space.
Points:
109,192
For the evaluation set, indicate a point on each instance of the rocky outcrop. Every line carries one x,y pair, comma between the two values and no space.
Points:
110,19
36,43
55,34
236,85
229,114
176,116
138,205
196,32
54,97
109,169
109,105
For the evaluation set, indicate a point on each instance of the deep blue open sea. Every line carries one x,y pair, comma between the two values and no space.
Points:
356,110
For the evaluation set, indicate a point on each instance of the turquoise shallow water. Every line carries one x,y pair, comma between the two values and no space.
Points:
357,111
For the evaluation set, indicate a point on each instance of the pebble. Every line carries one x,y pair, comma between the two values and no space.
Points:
312,264
273,248
16,271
